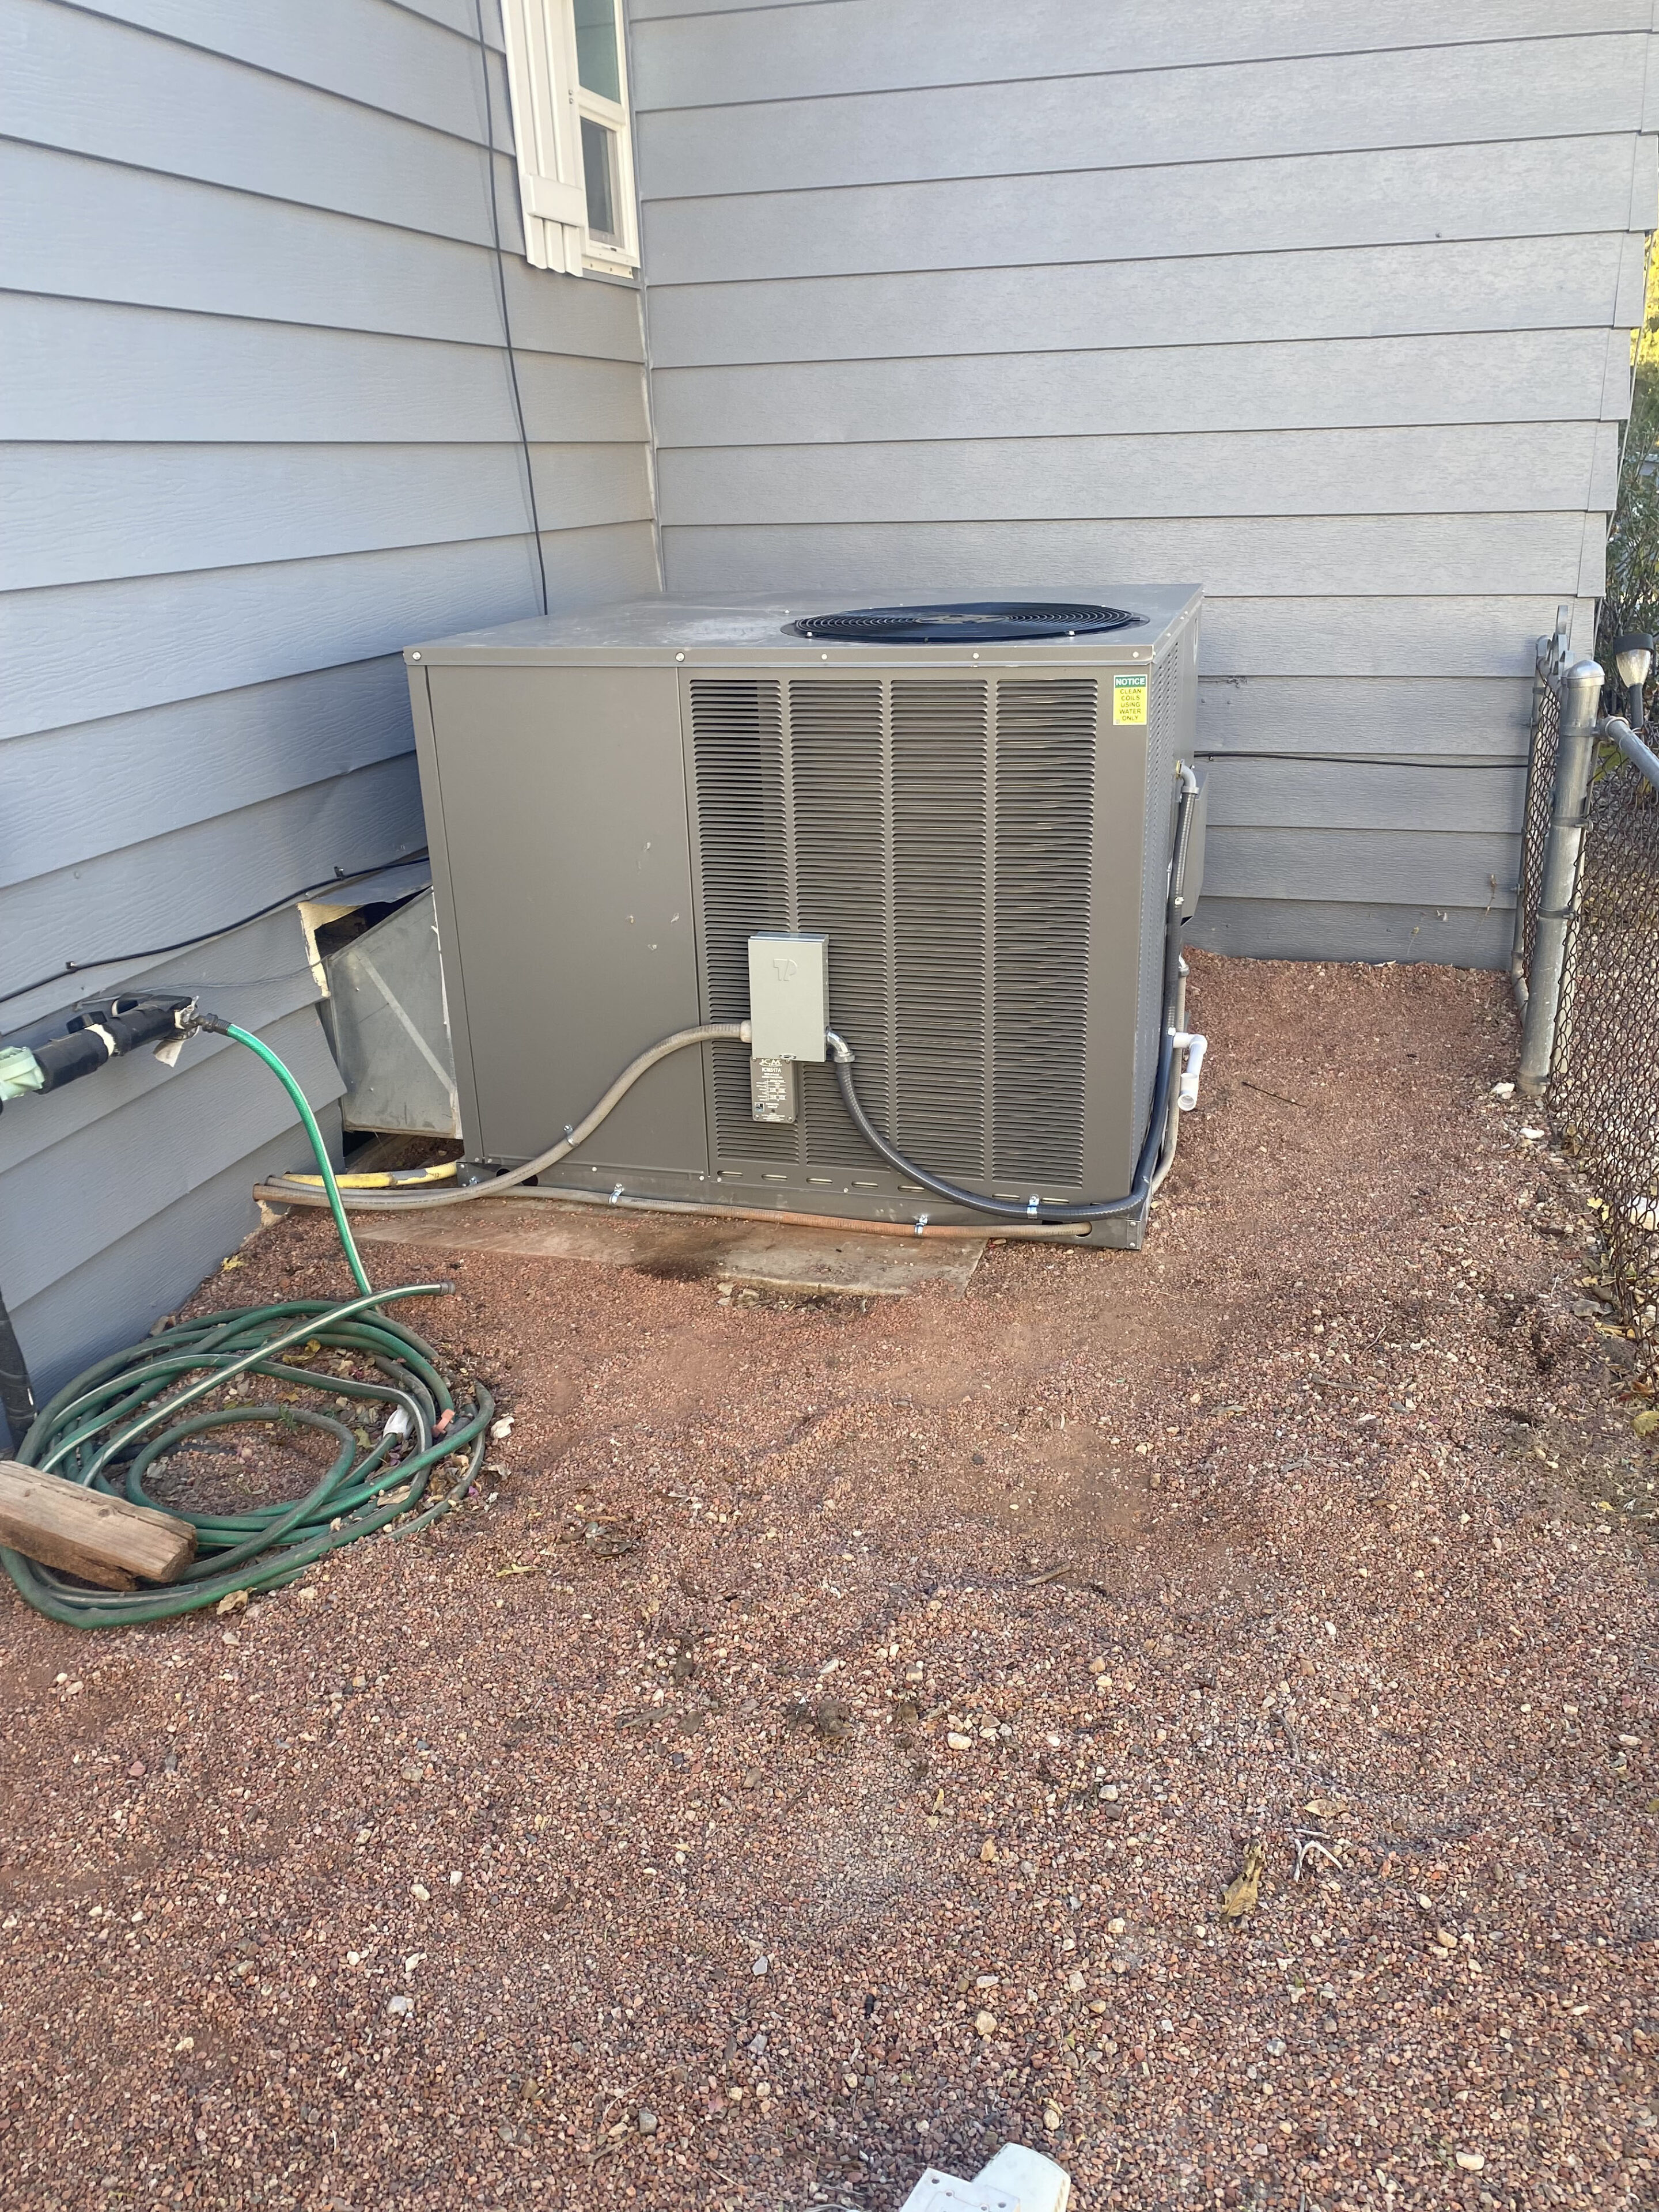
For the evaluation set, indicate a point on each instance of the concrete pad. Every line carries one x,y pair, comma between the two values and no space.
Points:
688,1248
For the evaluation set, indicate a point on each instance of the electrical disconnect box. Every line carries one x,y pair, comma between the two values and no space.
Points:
943,831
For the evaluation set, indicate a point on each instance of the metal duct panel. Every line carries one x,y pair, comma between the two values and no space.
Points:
940,832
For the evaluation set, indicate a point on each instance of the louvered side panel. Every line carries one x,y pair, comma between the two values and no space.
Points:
837,751
738,750
940,812
1045,784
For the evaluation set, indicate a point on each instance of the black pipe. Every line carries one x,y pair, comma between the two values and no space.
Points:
104,1030
16,1391
1093,1209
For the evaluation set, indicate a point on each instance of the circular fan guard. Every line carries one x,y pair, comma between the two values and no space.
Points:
967,622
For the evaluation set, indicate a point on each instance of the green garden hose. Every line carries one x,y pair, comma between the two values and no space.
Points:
109,1426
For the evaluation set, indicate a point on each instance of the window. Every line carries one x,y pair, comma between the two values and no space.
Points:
564,69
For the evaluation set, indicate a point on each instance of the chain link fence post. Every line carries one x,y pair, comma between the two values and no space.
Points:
1580,707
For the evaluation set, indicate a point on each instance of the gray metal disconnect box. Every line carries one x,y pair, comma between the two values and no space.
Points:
618,801
789,996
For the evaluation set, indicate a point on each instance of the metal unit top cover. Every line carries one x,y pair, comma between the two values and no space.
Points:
721,632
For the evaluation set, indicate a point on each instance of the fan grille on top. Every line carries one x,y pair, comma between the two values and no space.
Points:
968,622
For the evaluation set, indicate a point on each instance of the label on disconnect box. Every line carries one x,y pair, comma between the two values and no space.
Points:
1129,697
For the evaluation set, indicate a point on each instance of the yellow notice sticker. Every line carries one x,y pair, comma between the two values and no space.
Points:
1129,698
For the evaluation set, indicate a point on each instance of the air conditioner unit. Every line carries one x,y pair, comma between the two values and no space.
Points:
974,806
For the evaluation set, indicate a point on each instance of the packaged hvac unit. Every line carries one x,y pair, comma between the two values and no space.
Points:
961,817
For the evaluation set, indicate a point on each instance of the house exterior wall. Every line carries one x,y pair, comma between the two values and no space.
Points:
1327,310
259,434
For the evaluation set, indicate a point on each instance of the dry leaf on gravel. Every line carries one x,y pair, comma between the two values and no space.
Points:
236,1603
1240,1897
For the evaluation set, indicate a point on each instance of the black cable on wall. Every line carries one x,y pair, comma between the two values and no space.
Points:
500,286
16,1391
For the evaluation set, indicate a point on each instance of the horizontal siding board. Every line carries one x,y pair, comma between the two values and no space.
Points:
82,512
1297,555
713,54
76,793
1326,929
1442,868
1304,794
206,250
1234,111
263,975
83,650
1539,376
116,1296
194,377
460,16
1379,637
86,84
379,54
1533,188
149,1152
1487,717
1428,470
205,876
1486,286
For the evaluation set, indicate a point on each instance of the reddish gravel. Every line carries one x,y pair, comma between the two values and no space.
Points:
646,1836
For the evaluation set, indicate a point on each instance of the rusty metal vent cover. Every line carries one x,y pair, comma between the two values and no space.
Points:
968,622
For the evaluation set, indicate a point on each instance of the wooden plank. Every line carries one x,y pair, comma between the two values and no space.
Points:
1530,188
1537,376
207,250
104,1541
684,60
1475,468
89,84
129,778
1289,556
87,650
389,57
204,378
1235,112
1378,291
690,1248
209,873
1314,929
81,513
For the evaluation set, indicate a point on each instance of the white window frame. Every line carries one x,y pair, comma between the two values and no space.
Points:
549,102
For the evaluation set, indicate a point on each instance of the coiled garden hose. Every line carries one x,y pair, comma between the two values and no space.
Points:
109,1428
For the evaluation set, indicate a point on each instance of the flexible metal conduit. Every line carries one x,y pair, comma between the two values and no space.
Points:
294,1192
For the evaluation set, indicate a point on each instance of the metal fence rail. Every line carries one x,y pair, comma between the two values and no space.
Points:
1586,963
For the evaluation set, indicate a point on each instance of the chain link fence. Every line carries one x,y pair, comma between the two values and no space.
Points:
1602,1088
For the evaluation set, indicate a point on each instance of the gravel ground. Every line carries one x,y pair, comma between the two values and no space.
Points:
824,1746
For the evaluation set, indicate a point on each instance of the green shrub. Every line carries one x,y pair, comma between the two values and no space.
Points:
1633,594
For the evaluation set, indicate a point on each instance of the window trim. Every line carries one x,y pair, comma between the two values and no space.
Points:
549,102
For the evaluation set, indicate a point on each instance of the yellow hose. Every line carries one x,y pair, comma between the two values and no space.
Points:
392,1179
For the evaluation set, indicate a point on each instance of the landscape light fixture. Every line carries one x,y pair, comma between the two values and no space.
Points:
1633,656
